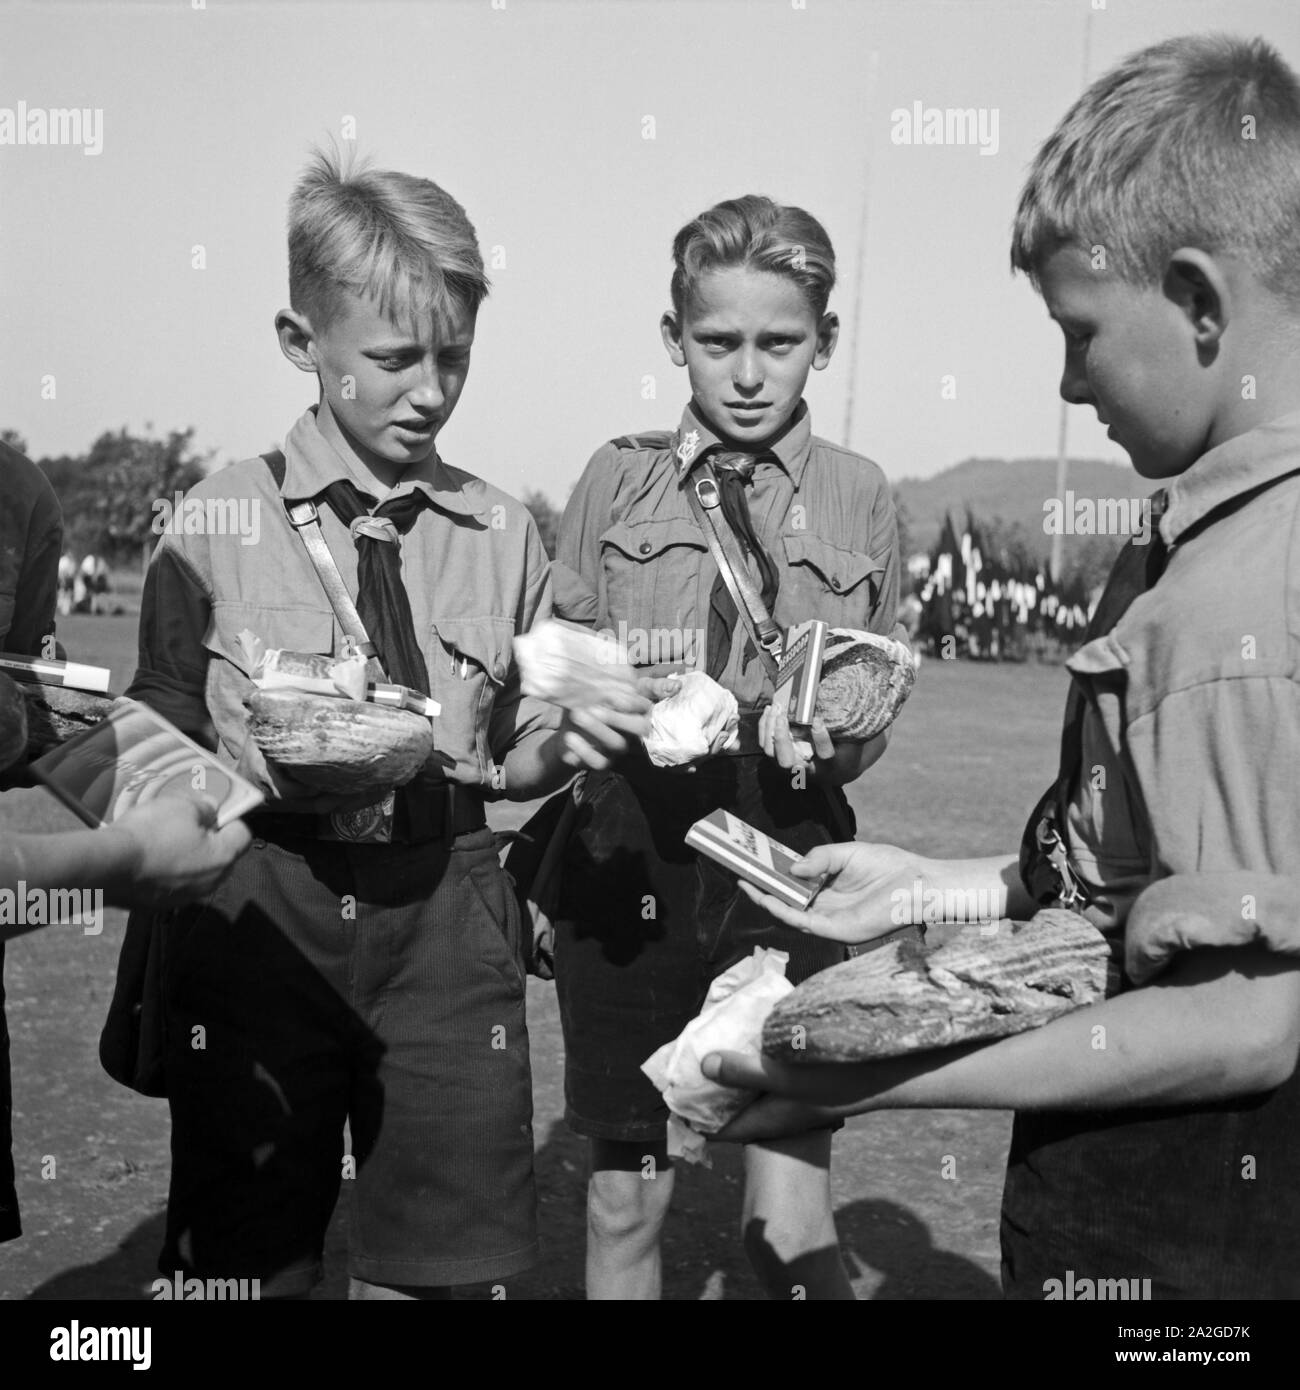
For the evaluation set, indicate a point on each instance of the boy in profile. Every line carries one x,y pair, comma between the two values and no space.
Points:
362,963
1155,1132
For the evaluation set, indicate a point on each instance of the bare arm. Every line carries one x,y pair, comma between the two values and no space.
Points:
1217,1024
166,851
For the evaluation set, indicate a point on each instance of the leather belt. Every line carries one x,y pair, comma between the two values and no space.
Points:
467,814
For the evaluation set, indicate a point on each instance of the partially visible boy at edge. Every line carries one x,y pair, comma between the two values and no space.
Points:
1161,224
363,965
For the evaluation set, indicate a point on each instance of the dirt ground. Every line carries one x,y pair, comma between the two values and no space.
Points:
970,753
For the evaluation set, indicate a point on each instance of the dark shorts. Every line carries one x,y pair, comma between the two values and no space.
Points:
646,924
10,1226
374,984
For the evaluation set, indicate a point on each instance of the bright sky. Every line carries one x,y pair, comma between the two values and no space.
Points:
534,114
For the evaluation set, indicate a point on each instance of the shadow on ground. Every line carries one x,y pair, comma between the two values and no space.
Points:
886,1246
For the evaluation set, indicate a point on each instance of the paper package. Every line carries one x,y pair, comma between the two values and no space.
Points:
697,719
571,666
738,1002
308,672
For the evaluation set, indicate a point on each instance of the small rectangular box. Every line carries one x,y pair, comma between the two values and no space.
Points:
756,857
72,675
800,670
133,756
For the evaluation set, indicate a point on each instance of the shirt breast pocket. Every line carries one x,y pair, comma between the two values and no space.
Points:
469,661
227,682
830,582
285,629
652,575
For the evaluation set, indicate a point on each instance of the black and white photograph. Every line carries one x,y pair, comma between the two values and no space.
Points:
649,650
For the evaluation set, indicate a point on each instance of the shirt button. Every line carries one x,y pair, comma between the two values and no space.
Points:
835,583
646,547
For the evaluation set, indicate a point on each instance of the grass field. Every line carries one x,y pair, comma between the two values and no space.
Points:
974,747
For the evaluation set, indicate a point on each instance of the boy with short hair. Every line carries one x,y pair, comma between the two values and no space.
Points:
645,924
362,963
1161,223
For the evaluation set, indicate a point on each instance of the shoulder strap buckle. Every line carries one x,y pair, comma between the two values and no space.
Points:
301,514
706,489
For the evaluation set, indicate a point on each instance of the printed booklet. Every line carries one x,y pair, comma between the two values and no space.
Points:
133,756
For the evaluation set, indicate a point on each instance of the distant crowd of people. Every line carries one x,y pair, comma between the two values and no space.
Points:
82,587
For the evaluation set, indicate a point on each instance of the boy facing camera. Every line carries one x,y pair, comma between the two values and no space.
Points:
1161,224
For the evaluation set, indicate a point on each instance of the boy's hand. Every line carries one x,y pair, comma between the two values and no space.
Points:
175,851
779,742
594,737
859,901
658,682
793,1099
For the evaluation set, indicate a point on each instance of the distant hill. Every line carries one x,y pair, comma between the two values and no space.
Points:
1012,490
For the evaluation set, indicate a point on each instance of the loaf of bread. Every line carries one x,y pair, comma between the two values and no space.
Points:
348,747
987,981
55,713
864,681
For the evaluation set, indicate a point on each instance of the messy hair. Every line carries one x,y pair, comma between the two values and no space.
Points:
759,234
1192,142
401,239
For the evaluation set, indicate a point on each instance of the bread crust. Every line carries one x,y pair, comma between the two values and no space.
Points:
985,982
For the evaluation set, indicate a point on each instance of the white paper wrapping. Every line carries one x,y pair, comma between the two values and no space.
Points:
738,1002
697,719
571,666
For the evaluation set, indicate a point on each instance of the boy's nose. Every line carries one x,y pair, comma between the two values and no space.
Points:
428,394
1074,385
748,372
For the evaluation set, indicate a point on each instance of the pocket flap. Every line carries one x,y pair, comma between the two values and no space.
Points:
288,629
484,641
647,540
841,570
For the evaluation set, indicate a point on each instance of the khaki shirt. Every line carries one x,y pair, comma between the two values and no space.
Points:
1191,738
473,566
823,513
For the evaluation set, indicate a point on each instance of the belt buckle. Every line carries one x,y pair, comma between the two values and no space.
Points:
365,824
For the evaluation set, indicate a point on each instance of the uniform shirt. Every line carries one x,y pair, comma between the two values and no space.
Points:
1191,739
473,567
824,515
31,541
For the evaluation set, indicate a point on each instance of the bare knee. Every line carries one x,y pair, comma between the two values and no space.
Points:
628,1198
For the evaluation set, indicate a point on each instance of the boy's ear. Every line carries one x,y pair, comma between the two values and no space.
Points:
671,329
297,339
1196,283
828,334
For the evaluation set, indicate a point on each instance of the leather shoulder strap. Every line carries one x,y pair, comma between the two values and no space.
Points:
706,505
305,519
